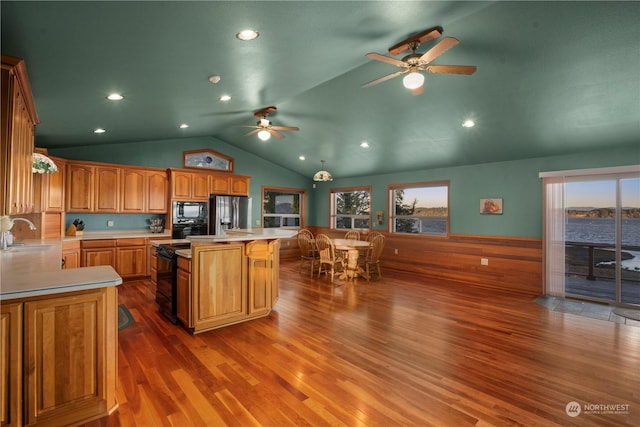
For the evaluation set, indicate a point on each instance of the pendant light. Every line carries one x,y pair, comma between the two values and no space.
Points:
322,175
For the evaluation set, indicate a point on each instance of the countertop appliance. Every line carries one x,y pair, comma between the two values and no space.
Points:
189,219
166,279
228,212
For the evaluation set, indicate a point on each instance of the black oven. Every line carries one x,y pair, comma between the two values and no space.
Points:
166,282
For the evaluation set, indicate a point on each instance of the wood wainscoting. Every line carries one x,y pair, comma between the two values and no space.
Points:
514,263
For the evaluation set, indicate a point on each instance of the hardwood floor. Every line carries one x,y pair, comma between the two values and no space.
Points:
403,351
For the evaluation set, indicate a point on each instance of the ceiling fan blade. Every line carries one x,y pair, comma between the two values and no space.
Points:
425,36
248,126
417,91
275,133
284,128
386,59
441,47
253,132
383,78
452,69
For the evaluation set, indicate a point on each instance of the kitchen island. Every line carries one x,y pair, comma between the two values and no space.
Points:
224,280
59,339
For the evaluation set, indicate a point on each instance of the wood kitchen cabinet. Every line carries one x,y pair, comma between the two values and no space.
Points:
180,184
17,133
107,189
78,384
11,363
98,252
79,189
133,193
131,257
187,185
239,185
183,292
49,189
70,254
157,191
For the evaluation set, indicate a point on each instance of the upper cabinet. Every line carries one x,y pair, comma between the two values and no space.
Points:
96,187
18,121
186,185
49,189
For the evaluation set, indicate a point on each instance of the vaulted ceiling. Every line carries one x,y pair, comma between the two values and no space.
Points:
552,77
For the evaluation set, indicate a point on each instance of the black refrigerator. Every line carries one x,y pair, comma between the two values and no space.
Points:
228,213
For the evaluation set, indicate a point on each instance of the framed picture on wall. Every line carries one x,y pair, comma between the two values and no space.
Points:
207,159
491,206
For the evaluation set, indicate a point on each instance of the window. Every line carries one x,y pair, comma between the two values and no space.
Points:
420,208
351,208
281,207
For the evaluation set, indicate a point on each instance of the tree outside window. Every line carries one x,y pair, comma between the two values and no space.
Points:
351,208
420,208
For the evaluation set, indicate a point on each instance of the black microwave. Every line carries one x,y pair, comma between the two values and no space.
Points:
195,211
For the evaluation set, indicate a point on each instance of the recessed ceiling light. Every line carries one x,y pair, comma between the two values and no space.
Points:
364,144
184,126
225,98
246,35
99,130
214,79
468,123
115,97
301,158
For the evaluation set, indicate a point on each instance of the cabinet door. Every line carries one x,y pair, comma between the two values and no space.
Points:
181,185
98,256
107,189
70,349
239,185
157,184
11,364
184,297
134,191
71,258
131,261
200,186
49,190
219,184
79,188
260,276
219,291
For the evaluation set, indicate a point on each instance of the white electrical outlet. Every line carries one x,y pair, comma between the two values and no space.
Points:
109,223
395,252
257,222
484,261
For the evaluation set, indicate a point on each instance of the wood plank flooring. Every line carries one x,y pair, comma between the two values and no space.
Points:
402,351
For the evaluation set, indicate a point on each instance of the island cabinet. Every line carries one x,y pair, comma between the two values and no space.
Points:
227,283
59,354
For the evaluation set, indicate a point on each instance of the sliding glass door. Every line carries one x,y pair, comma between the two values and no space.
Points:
592,236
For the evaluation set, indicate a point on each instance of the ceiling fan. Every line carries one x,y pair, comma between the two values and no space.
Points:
264,128
413,63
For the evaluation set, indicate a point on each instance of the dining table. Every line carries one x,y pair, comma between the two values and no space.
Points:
352,248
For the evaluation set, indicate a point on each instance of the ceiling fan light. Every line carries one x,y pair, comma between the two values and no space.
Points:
264,135
322,175
413,80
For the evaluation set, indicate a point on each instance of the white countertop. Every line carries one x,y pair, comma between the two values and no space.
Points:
28,273
239,235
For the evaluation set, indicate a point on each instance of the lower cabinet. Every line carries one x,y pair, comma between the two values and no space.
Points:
65,348
11,363
71,254
227,283
127,256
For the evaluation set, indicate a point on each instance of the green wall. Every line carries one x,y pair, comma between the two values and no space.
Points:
516,182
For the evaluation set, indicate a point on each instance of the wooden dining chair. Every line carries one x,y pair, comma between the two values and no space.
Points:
352,235
328,258
373,234
306,232
308,252
373,256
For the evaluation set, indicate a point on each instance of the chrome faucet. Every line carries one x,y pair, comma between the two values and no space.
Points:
6,238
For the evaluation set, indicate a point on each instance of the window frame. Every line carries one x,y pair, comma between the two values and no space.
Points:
332,208
285,190
391,226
